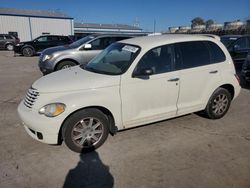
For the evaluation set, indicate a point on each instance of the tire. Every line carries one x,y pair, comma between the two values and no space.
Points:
218,104
85,130
27,51
65,65
9,47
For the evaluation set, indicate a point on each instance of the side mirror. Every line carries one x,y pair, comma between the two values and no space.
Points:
143,72
87,46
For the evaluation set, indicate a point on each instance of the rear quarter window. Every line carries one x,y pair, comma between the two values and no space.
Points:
194,54
217,55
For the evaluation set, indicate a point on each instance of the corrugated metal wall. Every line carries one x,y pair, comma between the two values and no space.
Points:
29,28
15,24
49,25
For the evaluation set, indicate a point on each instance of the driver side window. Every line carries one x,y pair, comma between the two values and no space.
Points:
96,44
159,59
42,39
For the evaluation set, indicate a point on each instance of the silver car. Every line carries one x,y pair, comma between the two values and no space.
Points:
79,52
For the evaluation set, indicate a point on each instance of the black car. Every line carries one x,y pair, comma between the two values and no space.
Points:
228,39
239,49
245,72
8,41
39,44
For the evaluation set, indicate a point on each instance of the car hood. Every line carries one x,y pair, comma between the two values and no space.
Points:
74,79
51,50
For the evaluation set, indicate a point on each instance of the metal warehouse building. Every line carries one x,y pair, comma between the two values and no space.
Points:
29,24
89,28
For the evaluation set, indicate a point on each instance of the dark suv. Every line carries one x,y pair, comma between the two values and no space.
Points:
8,41
239,49
39,44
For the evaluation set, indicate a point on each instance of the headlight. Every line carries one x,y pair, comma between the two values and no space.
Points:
47,57
19,44
52,110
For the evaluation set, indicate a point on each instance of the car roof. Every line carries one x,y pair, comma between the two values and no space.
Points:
112,35
158,40
53,36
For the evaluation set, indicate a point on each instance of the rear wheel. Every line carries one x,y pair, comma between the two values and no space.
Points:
85,130
10,47
27,51
218,104
65,65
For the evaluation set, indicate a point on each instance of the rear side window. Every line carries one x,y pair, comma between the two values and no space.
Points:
217,55
194,54
52,38
8,37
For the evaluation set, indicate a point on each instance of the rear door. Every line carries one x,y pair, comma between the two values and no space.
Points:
198,75
53,41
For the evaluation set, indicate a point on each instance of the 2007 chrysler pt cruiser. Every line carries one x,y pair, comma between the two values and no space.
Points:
131,83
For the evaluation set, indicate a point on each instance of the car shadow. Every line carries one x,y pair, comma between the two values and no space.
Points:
89,172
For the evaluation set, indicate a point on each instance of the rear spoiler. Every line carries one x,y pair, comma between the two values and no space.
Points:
211,36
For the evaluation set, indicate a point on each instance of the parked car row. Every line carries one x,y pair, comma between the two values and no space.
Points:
160,77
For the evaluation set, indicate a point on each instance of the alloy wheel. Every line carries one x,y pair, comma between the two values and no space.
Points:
87,132
220,104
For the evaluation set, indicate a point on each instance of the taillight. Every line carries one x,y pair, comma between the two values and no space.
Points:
237,77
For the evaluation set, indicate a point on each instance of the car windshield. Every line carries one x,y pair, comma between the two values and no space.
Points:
114,60
79,42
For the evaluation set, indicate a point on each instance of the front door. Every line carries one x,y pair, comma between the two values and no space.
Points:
41,43
151,98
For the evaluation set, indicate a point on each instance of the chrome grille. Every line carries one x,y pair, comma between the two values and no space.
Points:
31,97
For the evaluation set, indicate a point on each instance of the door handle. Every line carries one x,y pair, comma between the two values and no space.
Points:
173,79
213,72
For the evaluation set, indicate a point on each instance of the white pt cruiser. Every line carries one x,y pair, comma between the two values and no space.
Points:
131,83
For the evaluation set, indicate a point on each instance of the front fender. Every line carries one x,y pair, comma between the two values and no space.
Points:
108,97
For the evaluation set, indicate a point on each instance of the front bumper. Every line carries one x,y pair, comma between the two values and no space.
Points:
39,127
17,49
45,67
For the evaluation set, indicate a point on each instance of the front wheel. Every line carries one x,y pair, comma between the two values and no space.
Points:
218,104
27,52
85,130
65,65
